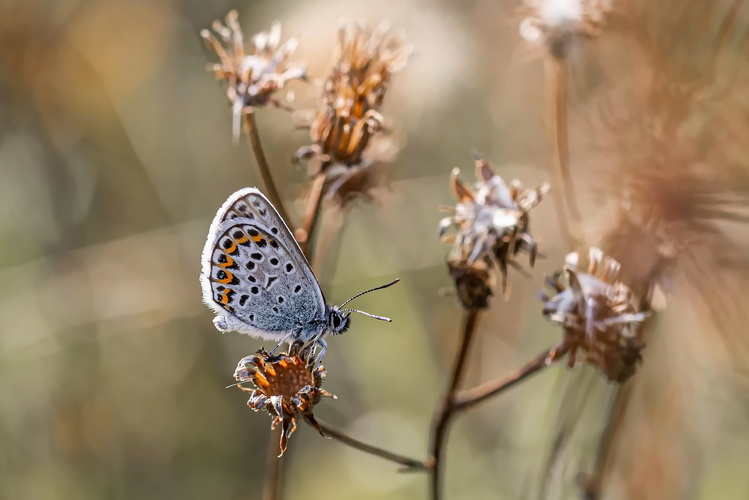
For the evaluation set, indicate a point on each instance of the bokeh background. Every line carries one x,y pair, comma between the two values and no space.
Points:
116,150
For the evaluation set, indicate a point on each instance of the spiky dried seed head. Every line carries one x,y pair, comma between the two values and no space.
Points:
284,386
349,134
492,223
556,23
253,76
599,315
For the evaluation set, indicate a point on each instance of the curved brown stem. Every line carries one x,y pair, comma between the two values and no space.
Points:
447,406
314,205
472,397
409,464
262,166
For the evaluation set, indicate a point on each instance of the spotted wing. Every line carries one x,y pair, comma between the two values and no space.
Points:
254,275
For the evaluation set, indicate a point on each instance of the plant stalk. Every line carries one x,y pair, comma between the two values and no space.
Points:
262,166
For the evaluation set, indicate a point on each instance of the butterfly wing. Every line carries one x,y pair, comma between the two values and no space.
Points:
254,276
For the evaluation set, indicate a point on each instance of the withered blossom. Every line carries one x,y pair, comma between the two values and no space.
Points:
254,76
493,226
599,315
556,23
349,134
285,387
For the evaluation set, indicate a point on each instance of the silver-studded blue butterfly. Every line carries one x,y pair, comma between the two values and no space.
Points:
257,280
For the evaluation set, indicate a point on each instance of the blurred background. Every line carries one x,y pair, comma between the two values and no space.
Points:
116,151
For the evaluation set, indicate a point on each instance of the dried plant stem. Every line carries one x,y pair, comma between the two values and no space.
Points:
274,465
314,206
409,464
274,468
593,486
556,86
262,165
446,407
472,397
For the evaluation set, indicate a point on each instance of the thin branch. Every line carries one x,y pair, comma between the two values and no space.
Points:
556,82
274,468
409,464
446,406
472,397
594,483
314,204
262,166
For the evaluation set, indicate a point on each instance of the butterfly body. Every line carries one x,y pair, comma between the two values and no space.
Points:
257,280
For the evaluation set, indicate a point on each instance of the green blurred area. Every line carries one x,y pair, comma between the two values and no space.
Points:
115,152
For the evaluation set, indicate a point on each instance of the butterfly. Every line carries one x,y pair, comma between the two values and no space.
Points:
257,280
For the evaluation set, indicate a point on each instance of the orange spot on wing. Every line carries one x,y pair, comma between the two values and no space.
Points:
228,279
257,238
229,262
241,240
232,248
283,363
224,297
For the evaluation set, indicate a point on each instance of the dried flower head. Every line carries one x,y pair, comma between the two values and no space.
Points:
253,77
493,225
349,134
285,387
598,314
556,23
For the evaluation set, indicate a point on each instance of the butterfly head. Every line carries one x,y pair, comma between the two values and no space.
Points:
338,321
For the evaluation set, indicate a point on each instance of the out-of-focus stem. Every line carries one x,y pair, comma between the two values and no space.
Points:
556,101
262,166
409,464
447,407
593,485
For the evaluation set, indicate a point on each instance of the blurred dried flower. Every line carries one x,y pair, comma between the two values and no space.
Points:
492,227
556,23
251,78
285,387
349,134
599,315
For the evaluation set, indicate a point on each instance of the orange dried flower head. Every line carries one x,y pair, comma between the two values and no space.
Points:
349,134
493,224
598,314
254,76
556,23
285,387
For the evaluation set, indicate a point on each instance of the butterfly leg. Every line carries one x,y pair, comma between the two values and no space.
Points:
283,341
316,357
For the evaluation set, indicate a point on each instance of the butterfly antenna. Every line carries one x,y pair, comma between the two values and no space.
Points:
367,291
381,318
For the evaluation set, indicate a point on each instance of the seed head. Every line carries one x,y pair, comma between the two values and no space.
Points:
252,77
285,387
492,222
349,134
556,23
598,314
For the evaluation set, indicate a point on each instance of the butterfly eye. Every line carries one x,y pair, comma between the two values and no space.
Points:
336,321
